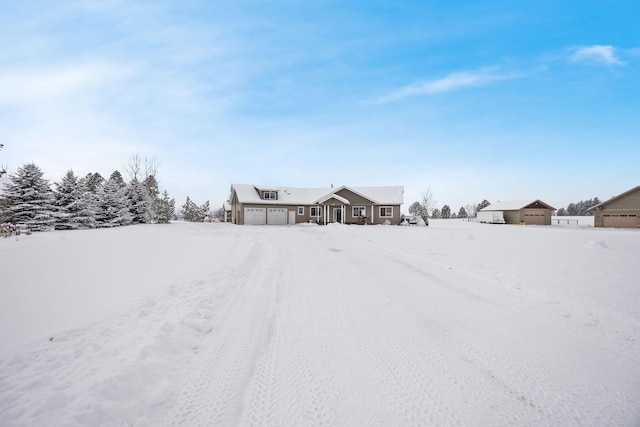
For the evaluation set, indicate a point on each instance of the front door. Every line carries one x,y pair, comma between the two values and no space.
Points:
337,214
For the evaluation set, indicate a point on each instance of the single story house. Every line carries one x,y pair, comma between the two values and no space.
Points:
534,212
621,211
272,205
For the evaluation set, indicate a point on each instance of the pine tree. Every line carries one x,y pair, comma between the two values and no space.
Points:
139,202
418,209
117,177
462,213
75,209
482,204
93,181
445,212
29,199
189,210
164,209
203,211
113,206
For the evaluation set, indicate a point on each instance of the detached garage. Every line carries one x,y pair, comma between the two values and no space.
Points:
621,211
529,212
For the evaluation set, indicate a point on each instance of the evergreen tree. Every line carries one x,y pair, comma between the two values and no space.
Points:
435,213
117,177
112,206
482,204
164,209
93,181
189,210
29,199
420,210
151,185
203,211
74,208
445,212
462,213
561,212
139,202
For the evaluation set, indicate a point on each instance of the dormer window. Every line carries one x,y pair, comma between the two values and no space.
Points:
270,195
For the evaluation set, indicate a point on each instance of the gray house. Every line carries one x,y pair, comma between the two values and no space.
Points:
534,212
621,211
273,205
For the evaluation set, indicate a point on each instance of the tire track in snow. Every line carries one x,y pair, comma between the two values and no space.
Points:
290,367
213,384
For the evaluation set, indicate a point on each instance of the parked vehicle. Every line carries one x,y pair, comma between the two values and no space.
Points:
490,217
413,220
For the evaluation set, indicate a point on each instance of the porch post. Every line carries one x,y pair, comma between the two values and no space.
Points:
372,212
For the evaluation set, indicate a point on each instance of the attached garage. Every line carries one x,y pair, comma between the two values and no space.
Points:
621,211
255,216
276,216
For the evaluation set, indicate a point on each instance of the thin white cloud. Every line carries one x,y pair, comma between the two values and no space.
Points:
454,81
38,85
599,54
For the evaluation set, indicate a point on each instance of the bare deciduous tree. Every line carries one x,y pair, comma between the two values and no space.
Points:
133,168
428,202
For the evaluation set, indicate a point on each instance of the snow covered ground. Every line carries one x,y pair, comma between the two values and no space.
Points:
458,323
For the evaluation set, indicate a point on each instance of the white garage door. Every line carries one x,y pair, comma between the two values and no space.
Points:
277,216
255,216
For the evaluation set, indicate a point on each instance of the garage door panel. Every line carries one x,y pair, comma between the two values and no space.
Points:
276,216
620,221
255,216
535,216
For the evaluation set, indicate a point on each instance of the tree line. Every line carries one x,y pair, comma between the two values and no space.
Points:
579,209
90,201
425,208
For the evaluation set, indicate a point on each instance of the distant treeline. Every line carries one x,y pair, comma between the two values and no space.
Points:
579,209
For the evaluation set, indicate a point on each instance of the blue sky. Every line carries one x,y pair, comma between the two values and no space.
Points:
502,100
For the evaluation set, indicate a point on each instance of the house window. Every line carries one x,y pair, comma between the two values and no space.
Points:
270,195
315,211
300,210
358,211
386,211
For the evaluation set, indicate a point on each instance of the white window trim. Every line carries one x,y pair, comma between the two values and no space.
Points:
353,211
270,193
300,210
318,211
385,208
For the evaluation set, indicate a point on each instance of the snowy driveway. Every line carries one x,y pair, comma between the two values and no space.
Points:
455,324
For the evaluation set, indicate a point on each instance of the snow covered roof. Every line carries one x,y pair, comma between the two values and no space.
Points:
246,193
599,205
515,205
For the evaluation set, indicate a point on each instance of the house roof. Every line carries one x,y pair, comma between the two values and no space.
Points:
246,193
515,205
599,205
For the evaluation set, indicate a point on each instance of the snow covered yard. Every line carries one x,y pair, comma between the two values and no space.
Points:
213,324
